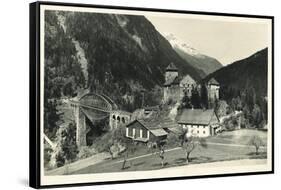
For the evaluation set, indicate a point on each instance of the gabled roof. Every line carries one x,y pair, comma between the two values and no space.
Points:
172,81
213,81
198,116
187,79
171,67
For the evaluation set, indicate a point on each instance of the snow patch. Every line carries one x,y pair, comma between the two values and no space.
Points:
122,21
80,54
138,40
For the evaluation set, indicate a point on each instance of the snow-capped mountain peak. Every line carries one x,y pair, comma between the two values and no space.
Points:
176,43
200,61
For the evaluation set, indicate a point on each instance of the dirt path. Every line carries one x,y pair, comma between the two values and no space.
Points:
80,164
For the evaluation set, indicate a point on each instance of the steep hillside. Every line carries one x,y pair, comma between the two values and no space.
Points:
204,63
121,56
245,74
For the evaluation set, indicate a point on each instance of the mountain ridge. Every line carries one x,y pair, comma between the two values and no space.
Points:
243,74
198,60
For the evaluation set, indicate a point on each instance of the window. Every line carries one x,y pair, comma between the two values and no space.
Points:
204,132
130,133
144,133
137,133
198,131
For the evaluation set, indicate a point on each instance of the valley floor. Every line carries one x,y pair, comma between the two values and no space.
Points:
227,146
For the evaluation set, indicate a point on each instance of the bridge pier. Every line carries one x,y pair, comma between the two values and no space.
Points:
81,106
81,131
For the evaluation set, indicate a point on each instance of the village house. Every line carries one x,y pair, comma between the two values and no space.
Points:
199,122
144,131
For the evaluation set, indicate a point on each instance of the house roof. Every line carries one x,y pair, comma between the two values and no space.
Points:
172,81
213,81
153,108
158,132
171,67
198,116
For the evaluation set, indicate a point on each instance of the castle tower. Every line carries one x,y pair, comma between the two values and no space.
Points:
171,72
171,85
213,88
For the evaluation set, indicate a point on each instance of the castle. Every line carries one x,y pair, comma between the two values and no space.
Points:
176,87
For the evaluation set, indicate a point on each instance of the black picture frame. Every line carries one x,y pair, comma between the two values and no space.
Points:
35,100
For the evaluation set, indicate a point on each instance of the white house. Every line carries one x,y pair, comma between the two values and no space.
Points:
199,122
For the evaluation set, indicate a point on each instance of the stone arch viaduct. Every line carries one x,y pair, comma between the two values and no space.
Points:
96,107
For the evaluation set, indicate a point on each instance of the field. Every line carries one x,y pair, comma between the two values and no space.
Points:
230,145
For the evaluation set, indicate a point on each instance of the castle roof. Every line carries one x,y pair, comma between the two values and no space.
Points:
213,81
171,67
187,79
198,116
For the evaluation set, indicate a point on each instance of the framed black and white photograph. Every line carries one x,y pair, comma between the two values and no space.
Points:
120,94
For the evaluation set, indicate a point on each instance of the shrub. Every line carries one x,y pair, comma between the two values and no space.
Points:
257,142
173,140
67,149
86,152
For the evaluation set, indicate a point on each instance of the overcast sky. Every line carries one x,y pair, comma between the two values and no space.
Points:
226,41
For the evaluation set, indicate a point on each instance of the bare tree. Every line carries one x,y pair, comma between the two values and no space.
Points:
130,148
189,144
257,142
157,147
